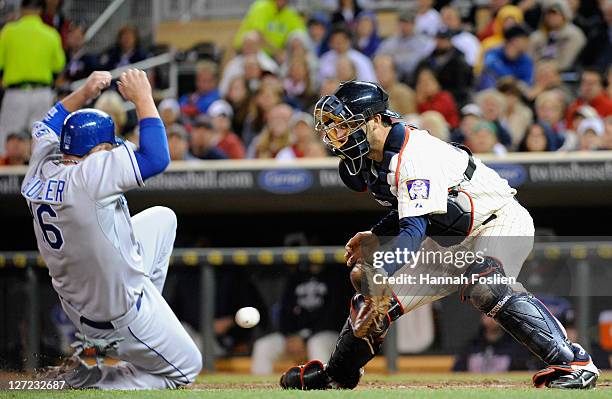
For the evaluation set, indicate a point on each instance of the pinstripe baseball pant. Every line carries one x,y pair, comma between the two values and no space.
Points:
508,238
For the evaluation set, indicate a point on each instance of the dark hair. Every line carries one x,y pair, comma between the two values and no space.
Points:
129,28
341,28
509,85
59,5
202,121
21,136
423,68
386,120
593,69
31,3
548,134
78,24
516,31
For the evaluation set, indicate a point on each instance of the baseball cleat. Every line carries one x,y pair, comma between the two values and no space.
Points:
579,374
577,379
54,372
309,376
74,371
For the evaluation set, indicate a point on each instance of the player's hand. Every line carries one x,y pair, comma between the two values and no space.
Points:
134,85
95,83
362,245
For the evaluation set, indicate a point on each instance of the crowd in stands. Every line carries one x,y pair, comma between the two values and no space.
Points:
499,76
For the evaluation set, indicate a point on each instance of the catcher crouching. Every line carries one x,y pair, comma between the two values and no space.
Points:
441,198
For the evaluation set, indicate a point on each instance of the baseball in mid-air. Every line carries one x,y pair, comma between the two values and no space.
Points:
247,317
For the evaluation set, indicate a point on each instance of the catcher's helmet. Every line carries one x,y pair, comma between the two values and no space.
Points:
84,129
340,119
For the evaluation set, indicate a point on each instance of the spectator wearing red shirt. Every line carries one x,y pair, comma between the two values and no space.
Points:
430,97
17,149
227,141
591,92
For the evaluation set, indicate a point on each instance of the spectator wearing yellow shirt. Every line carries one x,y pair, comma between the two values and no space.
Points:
275,20
30,54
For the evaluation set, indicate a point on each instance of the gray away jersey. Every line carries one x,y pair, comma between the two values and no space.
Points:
82,225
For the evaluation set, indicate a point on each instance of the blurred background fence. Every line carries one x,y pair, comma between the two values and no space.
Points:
580,271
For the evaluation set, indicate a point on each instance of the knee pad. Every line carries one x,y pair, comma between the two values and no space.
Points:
484,296
521,314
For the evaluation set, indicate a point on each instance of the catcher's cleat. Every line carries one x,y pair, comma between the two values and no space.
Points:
309,376
313,376
371,317
577,379
578,374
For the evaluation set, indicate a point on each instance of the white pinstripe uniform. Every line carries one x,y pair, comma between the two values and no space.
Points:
428,168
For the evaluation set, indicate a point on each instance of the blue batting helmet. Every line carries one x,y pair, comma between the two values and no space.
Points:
84,129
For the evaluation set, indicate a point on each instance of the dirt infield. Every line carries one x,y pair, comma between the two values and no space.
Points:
373,386
512,380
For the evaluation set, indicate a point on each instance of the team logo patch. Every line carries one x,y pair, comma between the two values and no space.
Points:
418,189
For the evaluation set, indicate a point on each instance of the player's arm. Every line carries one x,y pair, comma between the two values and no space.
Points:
93,86
387,226
420,191
152,155
45,133
406,233
410,237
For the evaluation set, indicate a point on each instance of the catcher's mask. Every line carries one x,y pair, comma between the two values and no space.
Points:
341,117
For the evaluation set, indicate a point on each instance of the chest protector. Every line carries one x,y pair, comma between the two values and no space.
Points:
446,229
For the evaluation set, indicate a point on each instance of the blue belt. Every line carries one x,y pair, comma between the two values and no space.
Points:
107,325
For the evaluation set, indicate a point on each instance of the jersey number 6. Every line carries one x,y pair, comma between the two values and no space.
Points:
47,228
